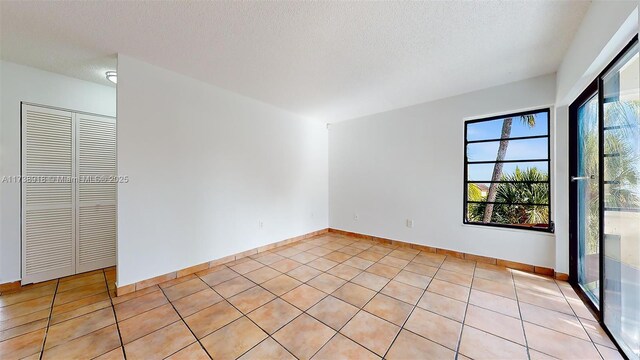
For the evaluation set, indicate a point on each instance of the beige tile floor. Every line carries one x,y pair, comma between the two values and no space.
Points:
327,297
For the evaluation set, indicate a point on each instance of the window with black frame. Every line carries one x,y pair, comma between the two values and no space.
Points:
507,171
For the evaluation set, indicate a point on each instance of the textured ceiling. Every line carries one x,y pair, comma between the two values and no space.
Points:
325,60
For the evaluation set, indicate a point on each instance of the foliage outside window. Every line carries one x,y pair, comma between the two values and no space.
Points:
507,171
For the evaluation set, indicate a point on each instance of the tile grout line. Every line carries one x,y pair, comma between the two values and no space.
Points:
472,275
115,316
181,319
302,283
362,308
94,311
326,271
47,327
275,298
146,311
416,305
512,277
162,327
524,333
223,299
81,298
359,308
53,300
522,321
111,300
379,292
244,315
581,324
413,309
466,310
361,270
302,312
27,323
562,313
91,312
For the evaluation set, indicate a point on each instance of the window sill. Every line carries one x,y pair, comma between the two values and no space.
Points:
498,228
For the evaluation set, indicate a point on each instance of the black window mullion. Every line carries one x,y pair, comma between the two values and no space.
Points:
617,127
504,203
505,161
467,181
508,182
509,139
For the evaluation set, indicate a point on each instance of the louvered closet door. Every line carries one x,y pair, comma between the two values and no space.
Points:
48,213
96,215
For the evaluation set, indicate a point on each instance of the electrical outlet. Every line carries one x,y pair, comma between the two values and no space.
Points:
355,217
410,223
260,224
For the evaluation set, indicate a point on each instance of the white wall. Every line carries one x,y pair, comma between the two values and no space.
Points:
206,165
386,185
561,167
408,164
21,83
607,28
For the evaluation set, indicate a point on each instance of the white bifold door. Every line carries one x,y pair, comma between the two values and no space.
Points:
68,193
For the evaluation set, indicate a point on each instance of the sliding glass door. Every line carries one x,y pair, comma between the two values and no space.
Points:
587,206
605,198
621,170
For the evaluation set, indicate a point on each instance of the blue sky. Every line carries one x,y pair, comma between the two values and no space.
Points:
517,149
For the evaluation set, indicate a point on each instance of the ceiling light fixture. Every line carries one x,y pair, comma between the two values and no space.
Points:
112,76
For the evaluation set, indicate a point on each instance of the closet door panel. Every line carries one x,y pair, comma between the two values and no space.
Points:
96,214
48,196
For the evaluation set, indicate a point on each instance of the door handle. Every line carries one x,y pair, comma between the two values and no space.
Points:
576,178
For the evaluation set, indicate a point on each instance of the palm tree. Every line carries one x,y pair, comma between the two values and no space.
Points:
474,192
621,171
523,191
623,162
529,120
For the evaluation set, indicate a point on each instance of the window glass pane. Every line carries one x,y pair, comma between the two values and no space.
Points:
510,185
526,216
510,171
621,267
622,164
520,126
587,206
525,193
621,196
516,150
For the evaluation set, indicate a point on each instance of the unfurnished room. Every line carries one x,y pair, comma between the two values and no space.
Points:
319,179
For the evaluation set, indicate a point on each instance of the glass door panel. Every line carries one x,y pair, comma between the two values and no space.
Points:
588,204
621,169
